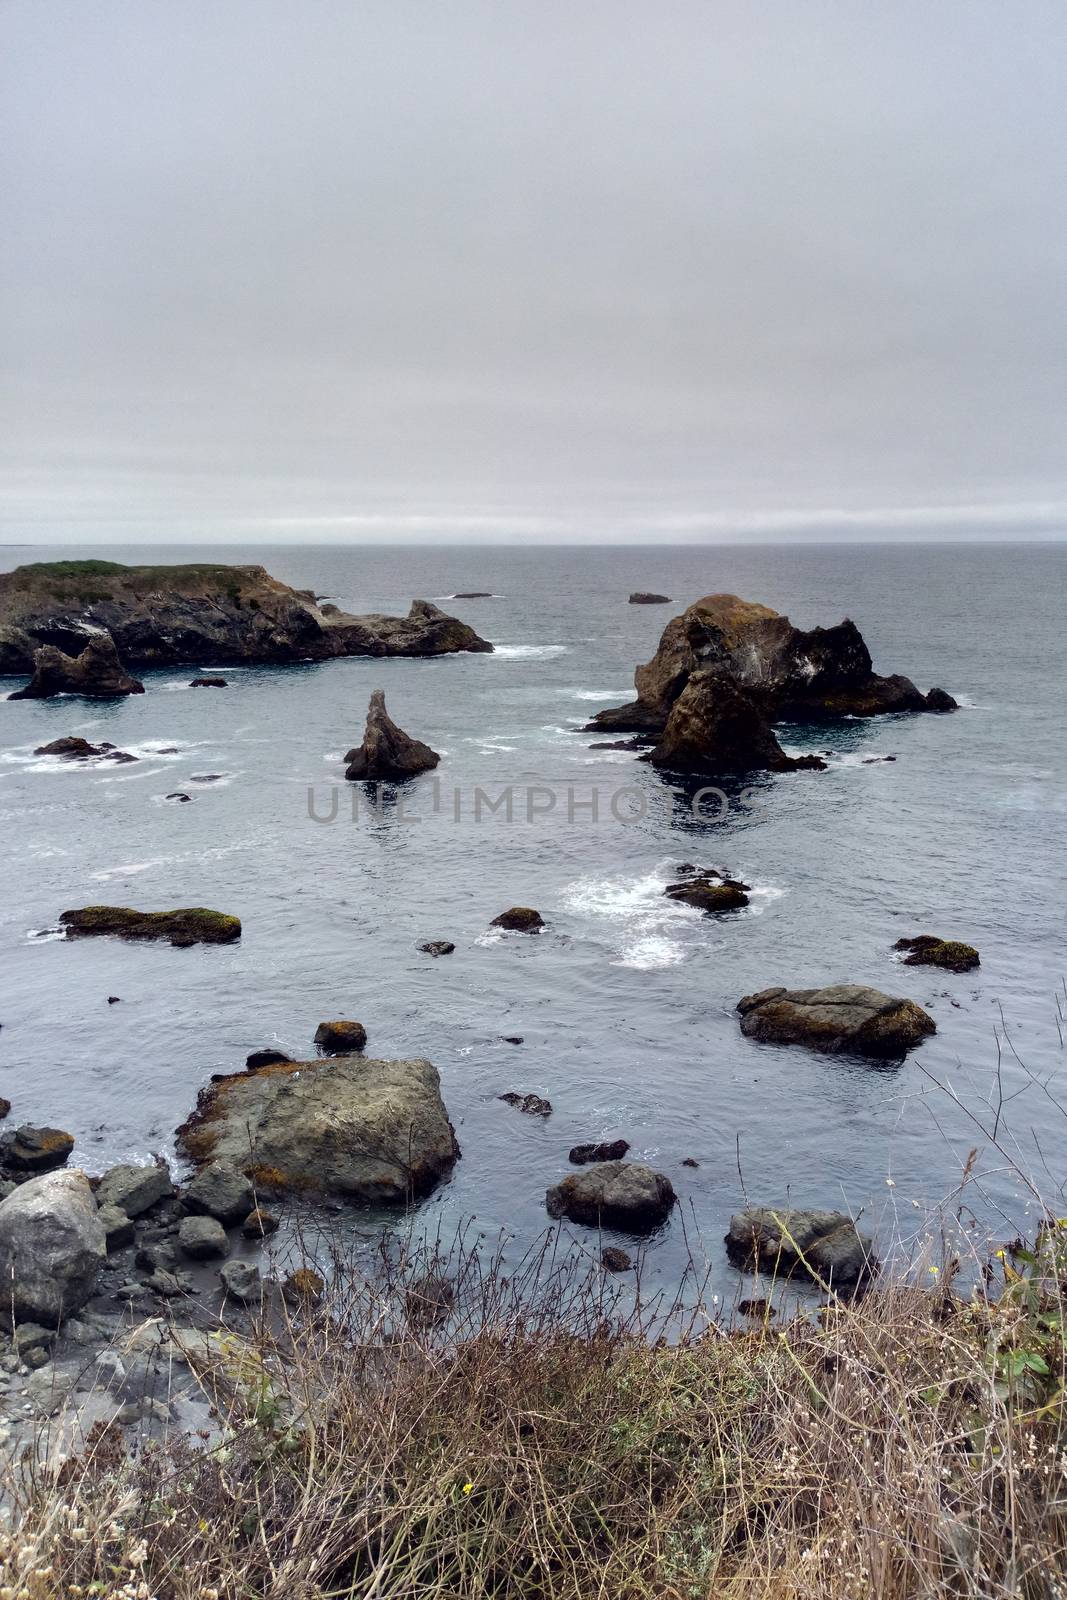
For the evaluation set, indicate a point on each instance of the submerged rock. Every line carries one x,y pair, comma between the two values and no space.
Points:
607,1150
75,749
534,1105
823,1244
52,1246
640,598
29,1149
204,612
612,1259
613,1194
208,683
187,926
847,1017
473,594
927,950
727,669
387,752
437,947
707,895
340,1038
375,1131
519,919
96,673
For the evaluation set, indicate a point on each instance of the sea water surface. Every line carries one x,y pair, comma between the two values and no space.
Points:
626,1003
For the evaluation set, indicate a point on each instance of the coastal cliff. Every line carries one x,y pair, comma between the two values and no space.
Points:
161,616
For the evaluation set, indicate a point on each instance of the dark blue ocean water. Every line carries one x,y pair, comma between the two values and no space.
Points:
626,1004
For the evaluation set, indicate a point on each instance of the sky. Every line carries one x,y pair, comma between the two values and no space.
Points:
559,270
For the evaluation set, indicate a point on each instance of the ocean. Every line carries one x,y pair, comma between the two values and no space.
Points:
625,1005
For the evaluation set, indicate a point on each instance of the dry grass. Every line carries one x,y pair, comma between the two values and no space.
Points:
545,1441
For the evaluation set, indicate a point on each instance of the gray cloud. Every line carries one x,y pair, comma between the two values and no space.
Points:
554,268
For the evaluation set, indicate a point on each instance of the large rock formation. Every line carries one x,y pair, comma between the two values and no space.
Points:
187,926
202,613
52,1246
822,1244
727,669
97,673
387,752
844,1017
375,1131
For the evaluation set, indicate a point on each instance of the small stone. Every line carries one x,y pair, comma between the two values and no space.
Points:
118,1227
160,1256
340,1037
221,1191
167,1284
241,1280
688,1161
512,1038
259,1223
113,999
437,947
202,1237
614,1259
31,1336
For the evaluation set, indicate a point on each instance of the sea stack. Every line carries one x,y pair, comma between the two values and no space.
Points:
387,752
96,673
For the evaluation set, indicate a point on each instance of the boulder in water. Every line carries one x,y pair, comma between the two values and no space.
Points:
613,1194
340,1037
208,683
187,926
534,1105
519,919
437,947
641,598
75,749
582,1155
29,1149
845,1017
927,950
708,895
387,752
97,673
374,1131
823,1244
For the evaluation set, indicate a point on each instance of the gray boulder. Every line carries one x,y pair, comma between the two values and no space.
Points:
117,1226
821,1244
201,1238
52,1246
376,1131
614,1194
134,1189
241,1280
219,1190
845,1017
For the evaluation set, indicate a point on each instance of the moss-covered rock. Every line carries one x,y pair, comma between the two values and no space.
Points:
927,950
186,926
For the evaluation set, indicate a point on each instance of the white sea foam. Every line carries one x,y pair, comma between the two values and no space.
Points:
128,870
637,918
597,694
522,652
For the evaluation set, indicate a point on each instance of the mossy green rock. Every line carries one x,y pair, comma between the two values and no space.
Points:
187,926
927,950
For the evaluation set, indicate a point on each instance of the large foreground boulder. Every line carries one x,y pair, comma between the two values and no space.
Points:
203,613
52,1246
613,1194
387,752
845,1017
749,668
375,1131
186,926
96,673
823,1244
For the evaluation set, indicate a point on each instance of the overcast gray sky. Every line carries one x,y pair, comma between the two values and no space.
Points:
562,269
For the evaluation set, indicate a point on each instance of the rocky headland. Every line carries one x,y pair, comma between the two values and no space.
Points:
159,616
727,670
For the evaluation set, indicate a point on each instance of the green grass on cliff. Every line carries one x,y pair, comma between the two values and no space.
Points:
98,580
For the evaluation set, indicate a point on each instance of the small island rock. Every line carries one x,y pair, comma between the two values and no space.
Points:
97,673
74,749
208,683
706,895
387,752
641,598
